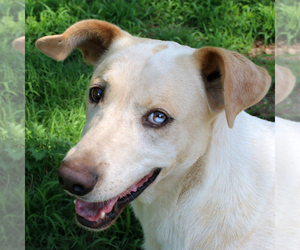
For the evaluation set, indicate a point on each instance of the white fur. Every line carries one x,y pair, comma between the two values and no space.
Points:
230,203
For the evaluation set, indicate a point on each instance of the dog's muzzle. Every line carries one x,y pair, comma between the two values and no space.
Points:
79,179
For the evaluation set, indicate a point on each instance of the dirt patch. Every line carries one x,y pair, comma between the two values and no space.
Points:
277,49
282,48
259,48
265,108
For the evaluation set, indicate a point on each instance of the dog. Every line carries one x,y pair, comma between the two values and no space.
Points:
166,132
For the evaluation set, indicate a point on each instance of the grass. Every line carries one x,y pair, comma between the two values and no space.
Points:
56,95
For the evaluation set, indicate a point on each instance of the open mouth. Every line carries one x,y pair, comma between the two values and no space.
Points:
100,215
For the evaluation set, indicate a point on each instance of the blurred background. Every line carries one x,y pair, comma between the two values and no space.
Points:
12,126
288,54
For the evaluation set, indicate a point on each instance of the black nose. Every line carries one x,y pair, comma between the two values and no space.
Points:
76,180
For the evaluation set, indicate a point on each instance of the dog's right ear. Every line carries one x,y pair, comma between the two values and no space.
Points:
92,37
232,81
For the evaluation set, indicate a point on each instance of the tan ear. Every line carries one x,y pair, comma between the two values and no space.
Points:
232,82
92,37
284,83
19,44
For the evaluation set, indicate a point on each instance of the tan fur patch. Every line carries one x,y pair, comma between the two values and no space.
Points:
193,178
159,48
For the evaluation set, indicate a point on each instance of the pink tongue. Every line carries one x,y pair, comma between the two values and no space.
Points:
92,210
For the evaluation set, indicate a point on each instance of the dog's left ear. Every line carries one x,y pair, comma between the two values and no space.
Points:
92,37
232,82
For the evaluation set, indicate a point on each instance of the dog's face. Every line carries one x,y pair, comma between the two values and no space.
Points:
150,108
142,115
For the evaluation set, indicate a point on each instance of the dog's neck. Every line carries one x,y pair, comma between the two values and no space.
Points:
230,170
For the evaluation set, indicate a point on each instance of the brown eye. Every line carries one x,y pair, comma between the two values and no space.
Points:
96,94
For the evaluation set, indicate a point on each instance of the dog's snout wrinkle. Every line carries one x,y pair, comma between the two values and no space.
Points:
77,181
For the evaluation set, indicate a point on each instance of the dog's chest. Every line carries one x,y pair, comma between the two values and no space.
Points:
162,225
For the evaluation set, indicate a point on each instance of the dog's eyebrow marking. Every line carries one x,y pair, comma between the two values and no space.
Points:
159,48
97,82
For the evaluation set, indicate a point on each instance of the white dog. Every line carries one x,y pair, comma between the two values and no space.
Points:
166,130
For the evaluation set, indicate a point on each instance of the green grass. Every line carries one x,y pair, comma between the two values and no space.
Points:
56,95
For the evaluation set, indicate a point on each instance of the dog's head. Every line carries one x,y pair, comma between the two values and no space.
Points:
150,109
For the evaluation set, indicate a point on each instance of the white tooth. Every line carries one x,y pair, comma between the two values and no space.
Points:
74,201
102,215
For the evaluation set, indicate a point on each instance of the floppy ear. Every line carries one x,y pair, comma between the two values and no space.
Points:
284,83
232,82
19,44
92,37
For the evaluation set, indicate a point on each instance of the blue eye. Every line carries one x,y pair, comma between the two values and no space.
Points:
157,118
96,94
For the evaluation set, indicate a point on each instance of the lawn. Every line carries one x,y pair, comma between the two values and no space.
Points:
56,95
